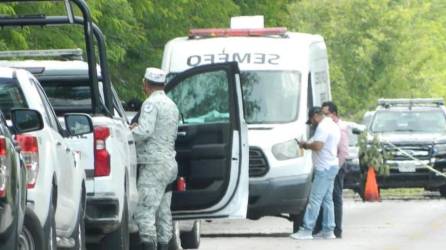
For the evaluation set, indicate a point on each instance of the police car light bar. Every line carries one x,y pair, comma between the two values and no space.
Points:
278,31
73,54
410,102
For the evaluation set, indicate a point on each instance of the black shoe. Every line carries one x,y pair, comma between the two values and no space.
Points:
148,246
338,235
163,246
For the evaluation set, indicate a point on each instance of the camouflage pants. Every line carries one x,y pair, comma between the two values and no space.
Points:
153,214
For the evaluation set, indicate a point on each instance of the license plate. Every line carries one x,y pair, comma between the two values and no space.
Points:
407,167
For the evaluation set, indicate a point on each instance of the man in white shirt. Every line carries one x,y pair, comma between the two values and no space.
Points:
330,109
324,147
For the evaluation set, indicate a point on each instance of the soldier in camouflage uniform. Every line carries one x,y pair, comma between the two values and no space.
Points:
155,135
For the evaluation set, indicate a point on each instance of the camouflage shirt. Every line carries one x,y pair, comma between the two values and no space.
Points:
157,128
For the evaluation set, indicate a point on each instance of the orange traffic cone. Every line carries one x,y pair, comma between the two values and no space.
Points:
371,186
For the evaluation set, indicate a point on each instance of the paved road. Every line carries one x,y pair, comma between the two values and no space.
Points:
393,224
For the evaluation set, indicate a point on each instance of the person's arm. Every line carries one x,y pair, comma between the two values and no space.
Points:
146,122
312,145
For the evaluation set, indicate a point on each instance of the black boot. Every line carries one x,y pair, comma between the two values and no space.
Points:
163,246
148,245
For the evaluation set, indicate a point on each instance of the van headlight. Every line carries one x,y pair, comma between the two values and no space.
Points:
287,150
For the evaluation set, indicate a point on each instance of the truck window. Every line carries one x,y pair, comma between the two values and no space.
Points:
68,96
422,121
271,96
11,96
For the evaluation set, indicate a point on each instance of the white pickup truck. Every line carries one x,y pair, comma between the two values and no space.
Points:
110,156
56,182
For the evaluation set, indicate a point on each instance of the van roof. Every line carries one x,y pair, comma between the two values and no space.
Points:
302,39
293,49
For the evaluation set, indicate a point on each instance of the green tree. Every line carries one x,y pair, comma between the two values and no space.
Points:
379,48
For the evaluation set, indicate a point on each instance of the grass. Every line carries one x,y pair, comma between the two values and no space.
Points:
402,191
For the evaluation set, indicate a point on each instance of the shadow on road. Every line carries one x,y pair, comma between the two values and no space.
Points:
247,235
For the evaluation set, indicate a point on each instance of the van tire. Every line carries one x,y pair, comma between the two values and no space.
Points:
31,236
191,239
119,239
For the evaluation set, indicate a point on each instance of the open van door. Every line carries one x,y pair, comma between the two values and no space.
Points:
212,148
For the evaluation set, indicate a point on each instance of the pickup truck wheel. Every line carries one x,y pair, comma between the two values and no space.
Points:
443,190
191,239
119,239
13,240
31,237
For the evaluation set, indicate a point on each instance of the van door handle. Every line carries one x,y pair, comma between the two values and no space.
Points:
59,143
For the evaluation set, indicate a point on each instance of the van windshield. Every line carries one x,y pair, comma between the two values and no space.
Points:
270,96
11,96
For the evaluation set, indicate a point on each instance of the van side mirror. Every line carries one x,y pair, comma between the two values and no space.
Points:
78,124
26,120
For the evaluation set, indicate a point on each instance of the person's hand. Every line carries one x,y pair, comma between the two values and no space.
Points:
133,125
303,145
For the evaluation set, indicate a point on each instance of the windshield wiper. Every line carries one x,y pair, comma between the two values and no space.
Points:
405,130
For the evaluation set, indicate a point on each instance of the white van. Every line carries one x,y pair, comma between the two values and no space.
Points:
283,74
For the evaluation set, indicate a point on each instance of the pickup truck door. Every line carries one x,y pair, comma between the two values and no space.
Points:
212,148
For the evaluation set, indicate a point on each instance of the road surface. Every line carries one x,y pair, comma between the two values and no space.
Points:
392,224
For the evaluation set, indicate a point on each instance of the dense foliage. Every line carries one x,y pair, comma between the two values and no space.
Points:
377,48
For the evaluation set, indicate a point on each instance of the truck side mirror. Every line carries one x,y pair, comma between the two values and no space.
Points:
357,131
78,124
26,120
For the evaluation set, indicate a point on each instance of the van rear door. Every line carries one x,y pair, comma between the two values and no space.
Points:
212,149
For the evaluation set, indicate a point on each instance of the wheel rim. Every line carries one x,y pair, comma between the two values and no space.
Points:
26,241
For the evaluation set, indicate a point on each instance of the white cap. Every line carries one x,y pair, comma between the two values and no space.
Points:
155,75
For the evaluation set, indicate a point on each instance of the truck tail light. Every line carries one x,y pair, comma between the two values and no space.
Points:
278,31
30,154
4,177
101,155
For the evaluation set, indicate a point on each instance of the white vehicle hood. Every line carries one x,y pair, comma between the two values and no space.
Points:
268,134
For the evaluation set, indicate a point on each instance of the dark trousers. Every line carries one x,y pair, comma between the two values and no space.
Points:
337,202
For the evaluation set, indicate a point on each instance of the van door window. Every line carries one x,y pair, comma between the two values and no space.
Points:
203,98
